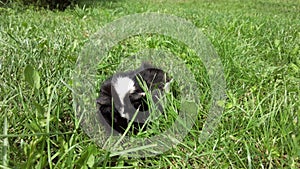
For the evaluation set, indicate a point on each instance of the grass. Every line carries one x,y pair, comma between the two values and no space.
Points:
257,41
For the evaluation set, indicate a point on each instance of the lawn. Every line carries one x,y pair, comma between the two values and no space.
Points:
258,42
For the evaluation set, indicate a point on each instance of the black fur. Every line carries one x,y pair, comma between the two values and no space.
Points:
154,78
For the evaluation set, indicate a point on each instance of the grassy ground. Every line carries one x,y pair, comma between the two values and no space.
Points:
258,42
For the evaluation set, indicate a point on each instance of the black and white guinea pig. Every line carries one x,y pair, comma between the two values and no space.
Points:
121,96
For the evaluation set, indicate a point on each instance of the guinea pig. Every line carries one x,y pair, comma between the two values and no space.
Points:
122,95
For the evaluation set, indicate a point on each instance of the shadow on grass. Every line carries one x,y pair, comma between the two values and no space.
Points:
60,5
99,3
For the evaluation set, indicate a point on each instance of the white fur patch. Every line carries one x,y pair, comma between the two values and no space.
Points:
123,86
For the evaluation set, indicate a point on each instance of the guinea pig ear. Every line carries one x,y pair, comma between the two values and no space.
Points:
106,87
105,93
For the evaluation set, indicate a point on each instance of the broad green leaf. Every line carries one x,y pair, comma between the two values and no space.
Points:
91,161
32,77
39,108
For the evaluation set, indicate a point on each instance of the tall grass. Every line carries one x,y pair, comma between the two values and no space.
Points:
257,41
